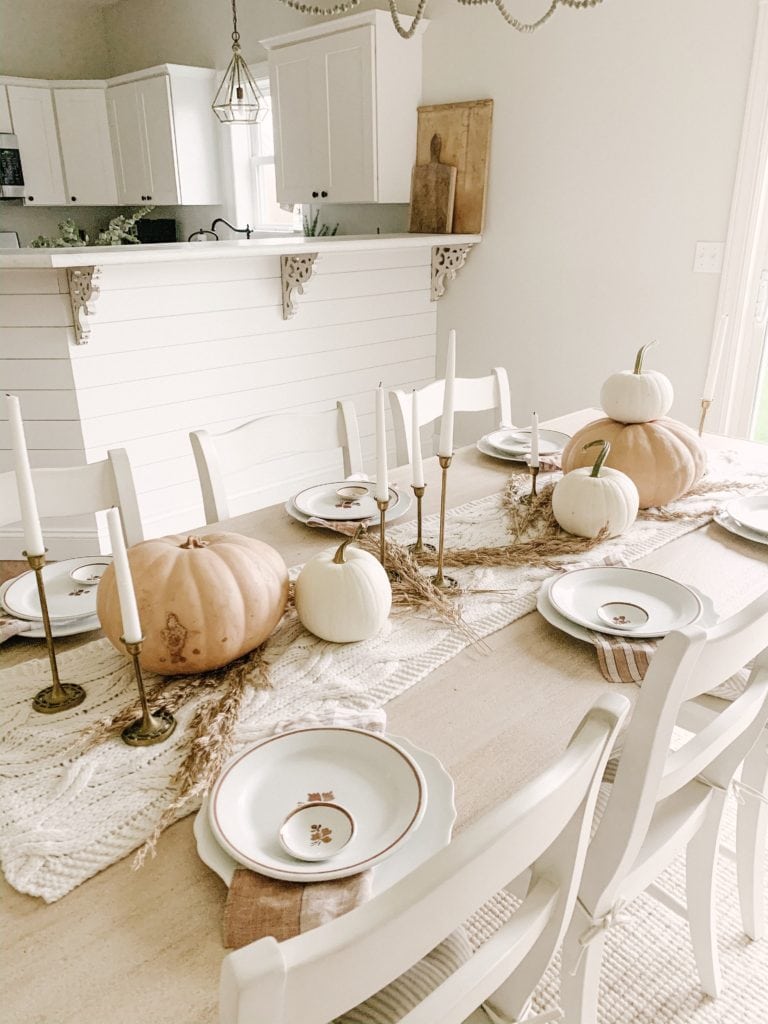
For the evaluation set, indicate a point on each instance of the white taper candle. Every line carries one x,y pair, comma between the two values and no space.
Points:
417,466
446,424
33,536
381,491
129,611
534,441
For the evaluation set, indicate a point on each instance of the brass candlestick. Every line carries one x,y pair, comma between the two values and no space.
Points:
705,404
439,580
152,727
59,696
534,471
382,506
419,547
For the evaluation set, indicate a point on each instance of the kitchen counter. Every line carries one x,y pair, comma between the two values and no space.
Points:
135,346
288,245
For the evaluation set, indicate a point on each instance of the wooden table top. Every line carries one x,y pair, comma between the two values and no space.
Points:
146,945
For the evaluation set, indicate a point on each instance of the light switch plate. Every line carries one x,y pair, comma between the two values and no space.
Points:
708,258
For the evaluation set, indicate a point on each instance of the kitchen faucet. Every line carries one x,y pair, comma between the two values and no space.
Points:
242,231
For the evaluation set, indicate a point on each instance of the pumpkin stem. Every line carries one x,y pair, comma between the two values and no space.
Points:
194,542
601,457
339,558
641,355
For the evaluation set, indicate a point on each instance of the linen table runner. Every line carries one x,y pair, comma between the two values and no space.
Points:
64,816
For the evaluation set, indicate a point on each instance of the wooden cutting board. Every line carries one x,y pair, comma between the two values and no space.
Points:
433,190
465,133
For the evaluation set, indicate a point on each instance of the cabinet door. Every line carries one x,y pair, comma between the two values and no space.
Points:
128,146
323,110
89,170
154,98
35,126
346,74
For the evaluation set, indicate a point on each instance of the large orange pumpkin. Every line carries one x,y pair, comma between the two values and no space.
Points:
203,601
664,458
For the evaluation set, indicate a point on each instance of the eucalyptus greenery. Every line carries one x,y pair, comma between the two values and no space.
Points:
120,231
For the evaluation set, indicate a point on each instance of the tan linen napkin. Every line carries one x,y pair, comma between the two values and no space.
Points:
258,906
10,626
622,660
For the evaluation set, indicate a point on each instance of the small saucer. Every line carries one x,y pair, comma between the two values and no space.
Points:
622,615
88,575
316,831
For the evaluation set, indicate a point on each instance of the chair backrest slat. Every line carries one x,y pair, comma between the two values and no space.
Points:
239,452
471,394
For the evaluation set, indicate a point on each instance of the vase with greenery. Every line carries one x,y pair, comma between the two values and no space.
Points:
120,231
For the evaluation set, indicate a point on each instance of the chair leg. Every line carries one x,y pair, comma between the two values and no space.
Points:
580,971
700,868
751,828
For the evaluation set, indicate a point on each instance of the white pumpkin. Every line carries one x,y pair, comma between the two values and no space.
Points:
587,500
637,396
343,595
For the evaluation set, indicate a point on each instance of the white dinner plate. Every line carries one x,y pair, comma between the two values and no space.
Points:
751,512
496,453
67,600
323,501
579,593
517,441
397,508
548,611
71,627
381,786
722,518
431,834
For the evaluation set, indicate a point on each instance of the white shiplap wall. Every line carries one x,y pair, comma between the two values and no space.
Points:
181,345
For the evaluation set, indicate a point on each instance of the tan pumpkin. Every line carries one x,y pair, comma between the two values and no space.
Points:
203,601
664,458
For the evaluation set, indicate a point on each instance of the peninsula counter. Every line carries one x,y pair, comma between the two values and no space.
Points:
135,346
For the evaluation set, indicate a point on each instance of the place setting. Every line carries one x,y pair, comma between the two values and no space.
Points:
746,517
319,804
70,588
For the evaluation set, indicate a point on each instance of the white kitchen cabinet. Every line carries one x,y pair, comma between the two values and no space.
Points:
345,98
86,150
34,124
163,137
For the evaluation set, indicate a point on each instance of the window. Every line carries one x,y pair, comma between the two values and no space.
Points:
253,167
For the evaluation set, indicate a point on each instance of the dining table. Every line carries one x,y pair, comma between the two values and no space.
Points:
146,944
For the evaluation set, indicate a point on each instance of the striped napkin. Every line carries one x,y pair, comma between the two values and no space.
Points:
622,660
258,906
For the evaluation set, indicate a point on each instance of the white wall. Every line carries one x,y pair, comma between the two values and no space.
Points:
53,39
614,148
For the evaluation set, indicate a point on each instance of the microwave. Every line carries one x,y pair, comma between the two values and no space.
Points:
11,174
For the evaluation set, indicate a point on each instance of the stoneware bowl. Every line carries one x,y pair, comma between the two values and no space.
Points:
316,831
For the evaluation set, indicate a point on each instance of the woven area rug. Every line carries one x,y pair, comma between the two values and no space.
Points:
649,975
64,815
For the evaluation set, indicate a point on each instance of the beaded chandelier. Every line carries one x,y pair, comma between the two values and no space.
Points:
345,6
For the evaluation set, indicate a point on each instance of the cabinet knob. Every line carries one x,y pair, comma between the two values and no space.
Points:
143,198
73,199
315,195
324,194
149,197
30,199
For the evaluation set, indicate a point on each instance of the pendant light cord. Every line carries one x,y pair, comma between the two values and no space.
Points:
235,33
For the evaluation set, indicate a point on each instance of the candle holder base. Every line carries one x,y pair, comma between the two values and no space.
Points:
444,582
528,498
58,698
420,547
152,729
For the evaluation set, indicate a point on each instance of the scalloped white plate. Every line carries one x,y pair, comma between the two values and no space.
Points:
430,835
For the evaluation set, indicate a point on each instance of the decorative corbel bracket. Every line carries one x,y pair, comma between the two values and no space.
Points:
447,260
83,293
295,271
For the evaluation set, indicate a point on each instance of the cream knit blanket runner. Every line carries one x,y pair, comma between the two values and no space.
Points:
65,816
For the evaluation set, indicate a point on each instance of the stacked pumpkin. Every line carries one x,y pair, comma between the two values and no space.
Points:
664,458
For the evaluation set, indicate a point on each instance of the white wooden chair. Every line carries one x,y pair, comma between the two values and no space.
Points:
248,446
752,816
77,490
663,802
540,833
472,394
